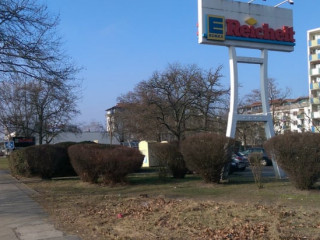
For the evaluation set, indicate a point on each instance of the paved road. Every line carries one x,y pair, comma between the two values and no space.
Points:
267,171
21,218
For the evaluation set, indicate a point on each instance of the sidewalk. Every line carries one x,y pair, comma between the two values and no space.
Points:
21,218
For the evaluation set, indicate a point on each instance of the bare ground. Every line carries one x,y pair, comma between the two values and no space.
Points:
181,210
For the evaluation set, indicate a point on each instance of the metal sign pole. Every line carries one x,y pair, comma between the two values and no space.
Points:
265,117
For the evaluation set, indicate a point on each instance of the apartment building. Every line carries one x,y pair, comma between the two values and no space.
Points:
313,37
288,114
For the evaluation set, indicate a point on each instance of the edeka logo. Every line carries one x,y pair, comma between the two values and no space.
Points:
236,31
216,29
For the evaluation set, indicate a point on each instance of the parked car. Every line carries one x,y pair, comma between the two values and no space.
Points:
237,163
242,157
265,161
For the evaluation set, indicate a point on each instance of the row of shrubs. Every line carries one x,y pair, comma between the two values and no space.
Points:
87,160
298,154
206,154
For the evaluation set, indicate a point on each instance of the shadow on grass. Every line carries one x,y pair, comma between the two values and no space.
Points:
240,180
153,179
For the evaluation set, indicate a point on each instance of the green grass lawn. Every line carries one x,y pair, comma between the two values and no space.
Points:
4,163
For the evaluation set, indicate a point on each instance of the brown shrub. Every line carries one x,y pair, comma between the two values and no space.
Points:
207,154
18,164
46,161
256,167
84,160
298,154
169,159
111,162
115,164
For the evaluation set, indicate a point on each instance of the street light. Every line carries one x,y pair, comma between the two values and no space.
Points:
289,1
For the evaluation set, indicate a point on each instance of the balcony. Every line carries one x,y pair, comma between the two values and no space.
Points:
314,43
314,86
315,71
316,115
314,57
315,100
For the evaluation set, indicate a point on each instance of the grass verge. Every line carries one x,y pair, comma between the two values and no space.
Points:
4,165
147,208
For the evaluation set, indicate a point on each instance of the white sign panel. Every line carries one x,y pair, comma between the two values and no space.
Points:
239,24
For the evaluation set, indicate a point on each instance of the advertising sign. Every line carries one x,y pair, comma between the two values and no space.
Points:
24,141
239,24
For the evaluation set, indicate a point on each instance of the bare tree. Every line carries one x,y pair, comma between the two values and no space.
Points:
37,79
134,120
178,100
212,102
16,114
276,96
252,132
41,108
29,45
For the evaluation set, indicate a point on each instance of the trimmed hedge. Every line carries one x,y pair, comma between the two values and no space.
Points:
169,159
46,161
18,163
207,154
298,154
112,163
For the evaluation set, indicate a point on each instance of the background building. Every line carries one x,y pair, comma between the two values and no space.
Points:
314,76
288,114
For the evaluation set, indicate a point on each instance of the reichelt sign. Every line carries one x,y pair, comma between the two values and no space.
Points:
239,24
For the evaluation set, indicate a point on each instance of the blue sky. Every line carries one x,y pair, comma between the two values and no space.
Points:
122,42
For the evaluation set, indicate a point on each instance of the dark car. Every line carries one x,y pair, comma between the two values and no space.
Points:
237,163
266,161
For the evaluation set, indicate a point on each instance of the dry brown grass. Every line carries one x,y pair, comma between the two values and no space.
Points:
182,209
4,163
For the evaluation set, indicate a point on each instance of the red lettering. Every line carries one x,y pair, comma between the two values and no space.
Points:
233,27
245,31
279,35
288,34
265,32
268,32
252,32
259,33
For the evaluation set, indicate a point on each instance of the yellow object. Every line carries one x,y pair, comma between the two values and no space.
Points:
251,21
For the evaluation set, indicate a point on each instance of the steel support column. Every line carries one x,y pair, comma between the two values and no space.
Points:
265,117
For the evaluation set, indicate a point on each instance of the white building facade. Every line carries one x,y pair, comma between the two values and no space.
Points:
313,37
292,115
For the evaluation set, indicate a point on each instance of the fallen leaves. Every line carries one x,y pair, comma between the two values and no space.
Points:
115,217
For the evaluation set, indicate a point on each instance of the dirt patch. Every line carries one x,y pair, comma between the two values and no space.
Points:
147,208
116,217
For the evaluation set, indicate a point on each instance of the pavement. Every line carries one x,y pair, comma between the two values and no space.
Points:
21,218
